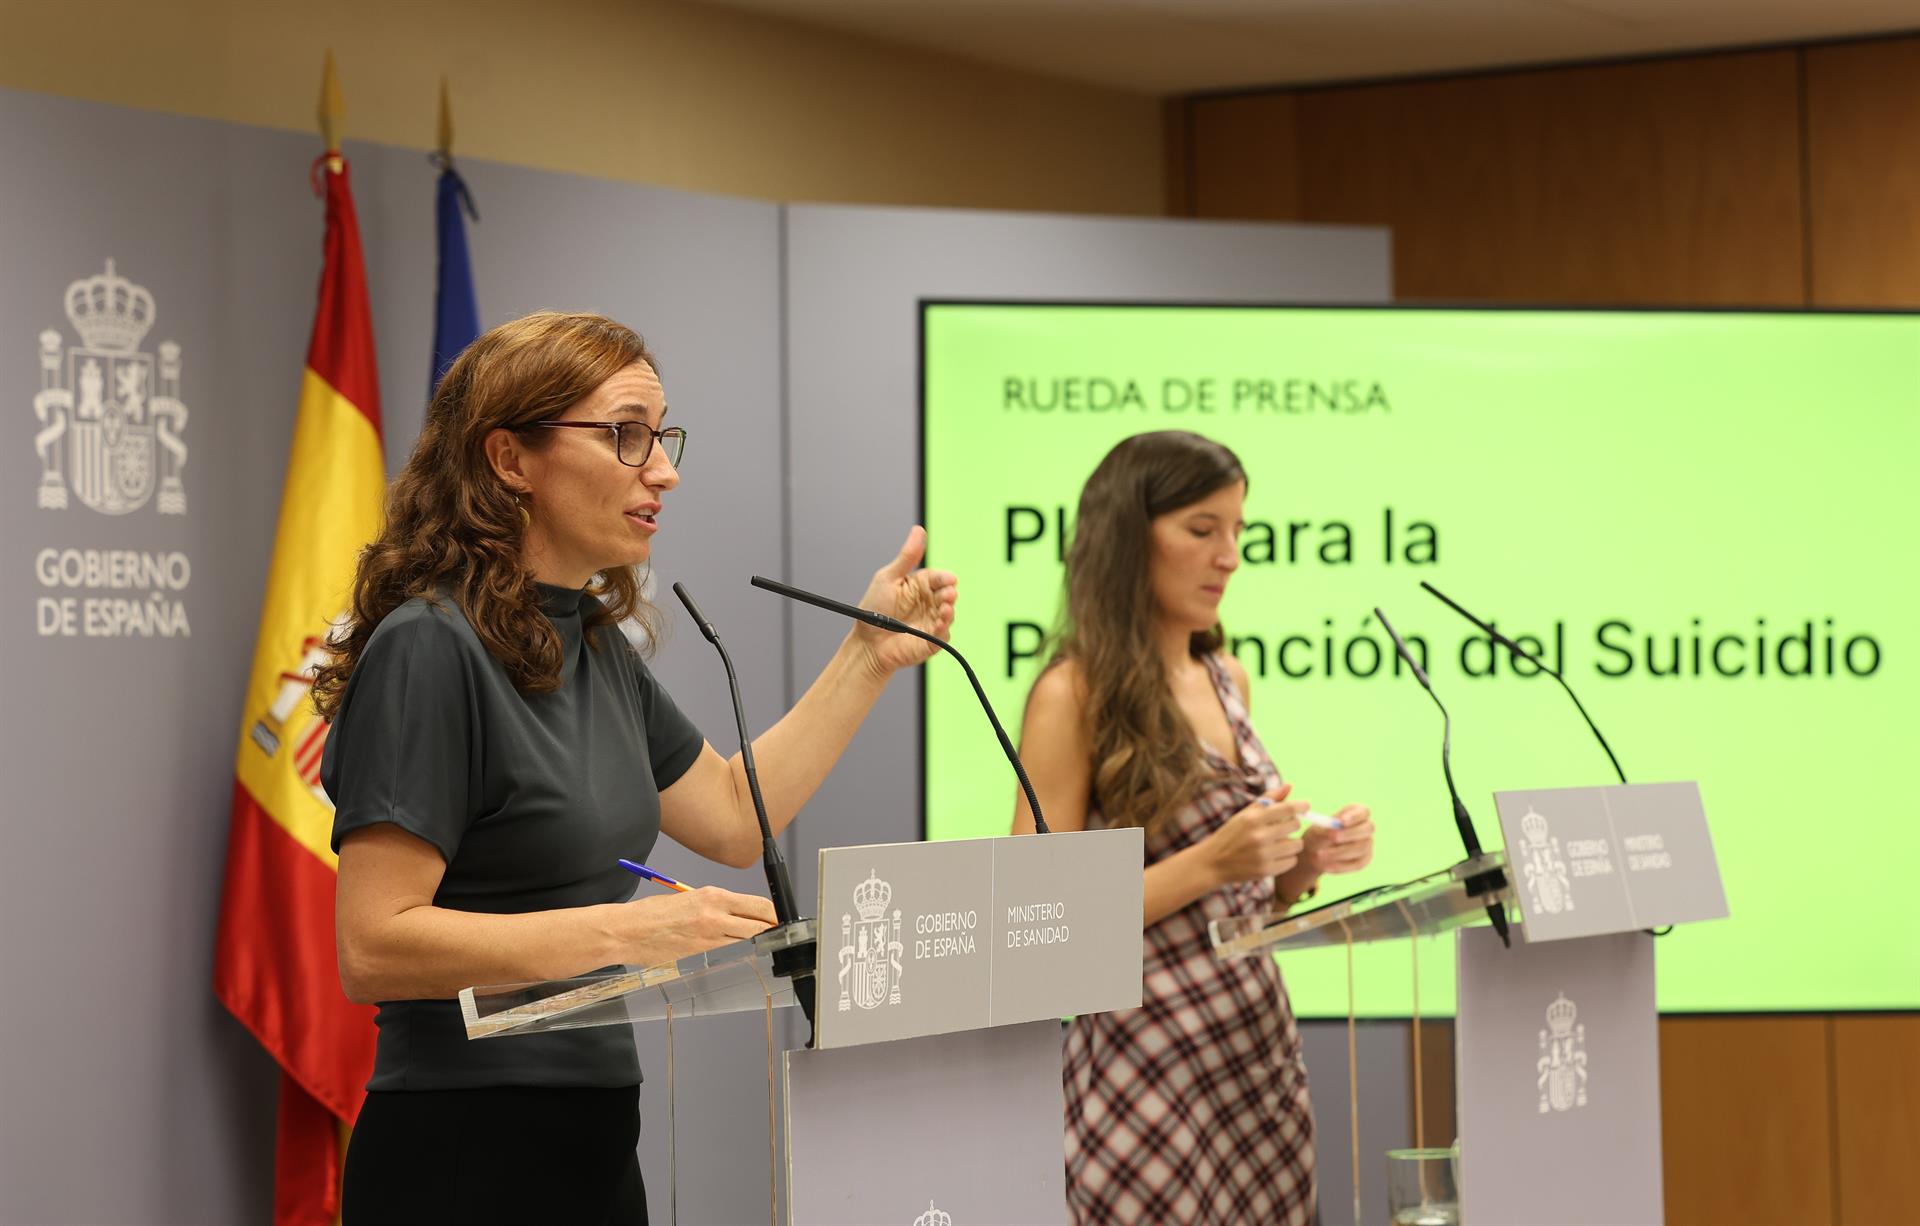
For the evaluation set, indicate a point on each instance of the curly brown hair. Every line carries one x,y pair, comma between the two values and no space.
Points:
453,529
1146,756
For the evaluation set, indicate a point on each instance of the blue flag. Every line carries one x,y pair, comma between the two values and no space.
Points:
456,312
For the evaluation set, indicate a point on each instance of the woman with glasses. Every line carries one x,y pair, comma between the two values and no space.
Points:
1192,1108
498,746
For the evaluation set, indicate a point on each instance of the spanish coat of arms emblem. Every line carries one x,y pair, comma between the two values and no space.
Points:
271,728
109,429
1543,868
870,949
1562,1066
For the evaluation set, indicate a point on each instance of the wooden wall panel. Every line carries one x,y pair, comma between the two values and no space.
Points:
1863,172
1434,1104
1788,178
1745,1120
1672,182
1176,132
1877,1117
1245,157
1751,1117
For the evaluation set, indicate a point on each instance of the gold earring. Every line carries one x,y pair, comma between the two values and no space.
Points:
526,520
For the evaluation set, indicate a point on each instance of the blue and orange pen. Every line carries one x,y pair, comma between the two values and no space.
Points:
641,870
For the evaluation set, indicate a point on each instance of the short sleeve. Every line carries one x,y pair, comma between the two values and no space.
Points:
673,743
401,749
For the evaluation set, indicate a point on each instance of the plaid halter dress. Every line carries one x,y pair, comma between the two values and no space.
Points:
1193,1108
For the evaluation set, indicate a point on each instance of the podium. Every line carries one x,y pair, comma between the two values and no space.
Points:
1556,1040
931,1088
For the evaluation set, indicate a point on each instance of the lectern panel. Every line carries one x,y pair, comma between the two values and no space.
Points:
930,938
954,1128
1558,1081
1608,859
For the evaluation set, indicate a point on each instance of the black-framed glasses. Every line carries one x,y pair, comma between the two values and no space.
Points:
632,440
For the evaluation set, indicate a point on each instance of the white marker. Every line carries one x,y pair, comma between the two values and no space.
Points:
1311,818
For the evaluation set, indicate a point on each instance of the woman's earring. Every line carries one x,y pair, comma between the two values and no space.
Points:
526,520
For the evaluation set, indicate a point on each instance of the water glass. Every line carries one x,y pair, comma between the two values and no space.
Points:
1421,1189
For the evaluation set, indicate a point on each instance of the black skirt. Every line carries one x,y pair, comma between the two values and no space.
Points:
505,1155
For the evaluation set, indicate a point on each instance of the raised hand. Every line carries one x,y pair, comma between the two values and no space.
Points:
923,599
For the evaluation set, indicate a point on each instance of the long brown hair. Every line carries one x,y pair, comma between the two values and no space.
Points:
1146,757
453,528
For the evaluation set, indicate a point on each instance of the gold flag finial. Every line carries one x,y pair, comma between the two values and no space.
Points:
446,121
332,109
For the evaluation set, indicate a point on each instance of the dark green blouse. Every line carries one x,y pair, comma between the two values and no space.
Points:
530,798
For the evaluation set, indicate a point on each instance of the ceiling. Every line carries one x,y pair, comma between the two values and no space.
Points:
1190,46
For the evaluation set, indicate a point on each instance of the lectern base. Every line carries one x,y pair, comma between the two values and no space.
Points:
1558,1075
968,1125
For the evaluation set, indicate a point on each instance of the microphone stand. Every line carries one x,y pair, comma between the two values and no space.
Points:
796,962
894,625
1537,662
1479,883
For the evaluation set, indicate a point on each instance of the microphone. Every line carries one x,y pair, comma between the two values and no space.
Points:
895,625
795,962
1537,662
1461,819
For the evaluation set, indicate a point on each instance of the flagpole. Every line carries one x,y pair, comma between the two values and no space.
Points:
445,144
332,112
456,310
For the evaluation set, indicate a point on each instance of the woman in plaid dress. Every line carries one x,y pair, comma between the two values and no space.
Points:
1192,1108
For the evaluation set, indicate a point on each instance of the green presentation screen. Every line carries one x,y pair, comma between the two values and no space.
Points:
1706,518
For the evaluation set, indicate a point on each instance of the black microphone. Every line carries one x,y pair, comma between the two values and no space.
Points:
896,626
1537,662
795,962
1461,819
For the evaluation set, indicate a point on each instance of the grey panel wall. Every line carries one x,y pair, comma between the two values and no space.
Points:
1385,1065
129,1094
855,277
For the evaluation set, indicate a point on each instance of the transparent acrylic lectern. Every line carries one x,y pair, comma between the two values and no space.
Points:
736,978
1452,898
943,970
1556,1048
1426,906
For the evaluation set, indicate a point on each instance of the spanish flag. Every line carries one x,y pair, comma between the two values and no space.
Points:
274,966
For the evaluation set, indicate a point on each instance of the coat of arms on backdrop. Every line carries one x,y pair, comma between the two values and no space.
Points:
109,428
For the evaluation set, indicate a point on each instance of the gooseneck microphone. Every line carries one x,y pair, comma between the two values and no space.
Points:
1537,662
894,625
796,962
1461,819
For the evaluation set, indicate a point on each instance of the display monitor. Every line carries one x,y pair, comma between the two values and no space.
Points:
1706,519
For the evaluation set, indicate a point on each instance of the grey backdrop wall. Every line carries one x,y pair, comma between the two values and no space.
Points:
787,342
129,1095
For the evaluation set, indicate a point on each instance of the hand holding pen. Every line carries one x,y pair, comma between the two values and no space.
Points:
701,918
694,919
655,876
